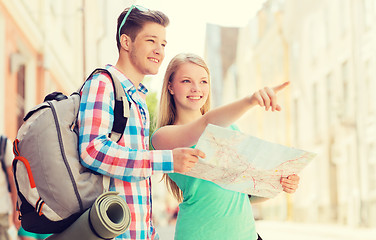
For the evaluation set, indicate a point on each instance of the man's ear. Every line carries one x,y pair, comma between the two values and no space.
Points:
125,41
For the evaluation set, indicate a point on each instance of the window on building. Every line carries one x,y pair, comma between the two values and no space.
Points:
342,17
371,157
370,86
68,17
330,108
34,9
326,25
368,13
315,101
345,86
296,120
20,95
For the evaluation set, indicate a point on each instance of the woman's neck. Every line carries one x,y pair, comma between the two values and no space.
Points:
184,117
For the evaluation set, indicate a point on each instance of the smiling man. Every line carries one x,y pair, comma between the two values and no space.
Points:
141,40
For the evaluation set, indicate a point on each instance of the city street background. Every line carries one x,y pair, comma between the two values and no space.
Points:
325,48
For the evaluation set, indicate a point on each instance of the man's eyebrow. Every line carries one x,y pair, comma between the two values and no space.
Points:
154,36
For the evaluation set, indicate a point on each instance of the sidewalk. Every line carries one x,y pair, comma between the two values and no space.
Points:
270,230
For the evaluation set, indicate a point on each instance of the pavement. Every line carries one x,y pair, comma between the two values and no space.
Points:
270,230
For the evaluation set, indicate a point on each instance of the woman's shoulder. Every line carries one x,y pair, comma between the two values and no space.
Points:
234,127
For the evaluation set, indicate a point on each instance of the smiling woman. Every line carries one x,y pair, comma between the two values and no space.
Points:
183,116
191,90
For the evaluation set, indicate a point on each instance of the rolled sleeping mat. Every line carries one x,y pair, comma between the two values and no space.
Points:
107,218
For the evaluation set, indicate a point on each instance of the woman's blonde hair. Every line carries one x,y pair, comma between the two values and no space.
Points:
167,107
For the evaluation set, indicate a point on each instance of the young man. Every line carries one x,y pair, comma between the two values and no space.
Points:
141,39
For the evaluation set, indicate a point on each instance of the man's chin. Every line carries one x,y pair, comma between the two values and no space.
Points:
152,72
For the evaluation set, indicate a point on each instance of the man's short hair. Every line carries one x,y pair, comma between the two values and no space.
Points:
136,20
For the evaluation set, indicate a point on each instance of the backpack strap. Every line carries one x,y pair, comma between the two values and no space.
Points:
121,108
121,113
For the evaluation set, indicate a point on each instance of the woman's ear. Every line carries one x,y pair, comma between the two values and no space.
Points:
170,89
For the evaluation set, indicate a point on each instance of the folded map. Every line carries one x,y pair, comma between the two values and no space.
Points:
245,163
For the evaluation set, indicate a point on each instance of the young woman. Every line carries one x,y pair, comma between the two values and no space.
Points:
206,211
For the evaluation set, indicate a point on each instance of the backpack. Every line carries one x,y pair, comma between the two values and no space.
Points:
53,188
3,147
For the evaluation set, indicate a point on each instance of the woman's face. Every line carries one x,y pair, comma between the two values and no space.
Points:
190,87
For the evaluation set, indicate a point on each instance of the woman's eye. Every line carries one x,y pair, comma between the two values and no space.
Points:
185,81
204,81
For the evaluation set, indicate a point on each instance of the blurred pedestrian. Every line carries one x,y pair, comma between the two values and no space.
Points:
8,193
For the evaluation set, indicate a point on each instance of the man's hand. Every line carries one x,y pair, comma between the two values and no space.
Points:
185,159
290,184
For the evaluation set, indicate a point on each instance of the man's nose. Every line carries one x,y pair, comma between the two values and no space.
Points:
159,50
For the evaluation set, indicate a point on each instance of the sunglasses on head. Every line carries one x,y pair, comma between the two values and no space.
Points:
140,8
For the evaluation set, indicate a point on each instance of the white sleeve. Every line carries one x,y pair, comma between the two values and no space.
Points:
8,158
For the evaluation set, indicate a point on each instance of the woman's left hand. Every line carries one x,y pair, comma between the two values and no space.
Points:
290,183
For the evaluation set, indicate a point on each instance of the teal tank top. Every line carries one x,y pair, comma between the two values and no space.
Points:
210,212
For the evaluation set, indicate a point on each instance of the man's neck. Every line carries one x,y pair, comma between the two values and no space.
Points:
130,72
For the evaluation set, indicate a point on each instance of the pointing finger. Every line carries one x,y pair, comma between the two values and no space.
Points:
281,86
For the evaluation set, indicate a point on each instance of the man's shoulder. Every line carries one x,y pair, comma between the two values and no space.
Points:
98,79
102,75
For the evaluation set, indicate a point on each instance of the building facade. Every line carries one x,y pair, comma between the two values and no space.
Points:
332,59
326,49
50,45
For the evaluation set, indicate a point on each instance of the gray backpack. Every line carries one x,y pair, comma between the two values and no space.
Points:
54,189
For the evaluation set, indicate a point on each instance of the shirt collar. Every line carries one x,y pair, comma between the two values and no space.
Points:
127,84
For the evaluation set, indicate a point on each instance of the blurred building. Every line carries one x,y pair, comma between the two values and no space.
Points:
327,50
332,58
49,45
221,54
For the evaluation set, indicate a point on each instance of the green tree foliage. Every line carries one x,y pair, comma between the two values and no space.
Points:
152,102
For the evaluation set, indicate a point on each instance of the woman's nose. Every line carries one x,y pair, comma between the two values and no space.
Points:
195,88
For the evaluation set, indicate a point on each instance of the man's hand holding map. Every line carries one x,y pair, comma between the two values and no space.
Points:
244,163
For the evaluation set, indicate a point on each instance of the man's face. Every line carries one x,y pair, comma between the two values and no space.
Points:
147,50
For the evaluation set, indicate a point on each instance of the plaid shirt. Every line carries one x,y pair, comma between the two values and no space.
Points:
129,162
